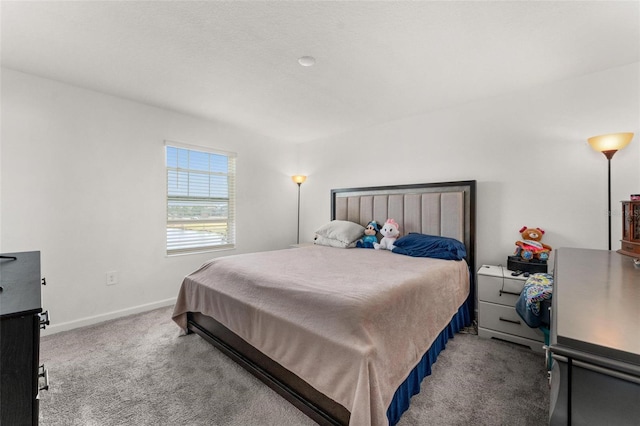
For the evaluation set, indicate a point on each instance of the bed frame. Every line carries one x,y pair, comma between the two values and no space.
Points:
446,209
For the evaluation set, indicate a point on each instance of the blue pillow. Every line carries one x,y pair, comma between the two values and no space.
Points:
421,245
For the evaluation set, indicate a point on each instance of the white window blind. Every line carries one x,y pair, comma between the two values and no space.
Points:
200,199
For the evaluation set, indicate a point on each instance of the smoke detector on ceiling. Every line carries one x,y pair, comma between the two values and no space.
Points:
306,61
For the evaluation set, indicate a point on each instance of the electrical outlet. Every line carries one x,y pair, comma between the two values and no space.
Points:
112,277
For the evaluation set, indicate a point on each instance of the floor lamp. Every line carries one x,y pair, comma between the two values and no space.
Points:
608,145
299,179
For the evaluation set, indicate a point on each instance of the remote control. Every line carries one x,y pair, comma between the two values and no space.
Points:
516,273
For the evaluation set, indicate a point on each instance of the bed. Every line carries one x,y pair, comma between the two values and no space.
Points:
346,335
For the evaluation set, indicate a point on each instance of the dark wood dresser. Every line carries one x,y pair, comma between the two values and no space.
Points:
630,243
21,319
595,339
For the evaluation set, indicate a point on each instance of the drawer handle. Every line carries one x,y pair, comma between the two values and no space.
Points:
43,372
9,257
607,372
508,320
509,292
44,320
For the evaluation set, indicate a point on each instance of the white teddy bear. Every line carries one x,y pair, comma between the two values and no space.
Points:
390,232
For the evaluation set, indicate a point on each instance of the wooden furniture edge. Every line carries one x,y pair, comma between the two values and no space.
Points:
299,393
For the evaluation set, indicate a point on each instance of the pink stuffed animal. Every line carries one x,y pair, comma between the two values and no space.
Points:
390,232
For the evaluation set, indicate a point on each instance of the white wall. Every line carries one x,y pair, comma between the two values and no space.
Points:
83,181
527,150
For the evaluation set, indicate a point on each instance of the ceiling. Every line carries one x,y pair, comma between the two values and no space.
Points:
236,62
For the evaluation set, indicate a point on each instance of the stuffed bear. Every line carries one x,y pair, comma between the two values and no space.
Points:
530,247
390,232
369,238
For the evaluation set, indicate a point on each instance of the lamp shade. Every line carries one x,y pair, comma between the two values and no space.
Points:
610,142
298,179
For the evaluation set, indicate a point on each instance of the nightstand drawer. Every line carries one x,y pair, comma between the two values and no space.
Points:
503,290
505,319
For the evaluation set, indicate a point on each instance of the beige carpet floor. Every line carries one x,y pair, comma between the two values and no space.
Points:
138,370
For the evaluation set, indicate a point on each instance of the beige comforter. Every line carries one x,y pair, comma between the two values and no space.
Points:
351,322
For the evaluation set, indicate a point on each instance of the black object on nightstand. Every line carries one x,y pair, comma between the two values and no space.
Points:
516,263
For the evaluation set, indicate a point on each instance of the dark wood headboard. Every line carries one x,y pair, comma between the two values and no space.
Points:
444,208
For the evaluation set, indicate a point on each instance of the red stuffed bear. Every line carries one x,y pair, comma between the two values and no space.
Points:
530,247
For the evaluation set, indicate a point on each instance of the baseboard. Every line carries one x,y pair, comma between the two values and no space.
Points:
83,322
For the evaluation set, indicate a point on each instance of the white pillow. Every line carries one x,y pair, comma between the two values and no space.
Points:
339,233
324,241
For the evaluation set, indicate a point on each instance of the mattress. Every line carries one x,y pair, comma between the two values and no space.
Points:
353,323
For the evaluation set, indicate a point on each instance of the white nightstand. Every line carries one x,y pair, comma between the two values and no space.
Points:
498,292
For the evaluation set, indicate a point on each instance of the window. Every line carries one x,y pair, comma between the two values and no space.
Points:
200,199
